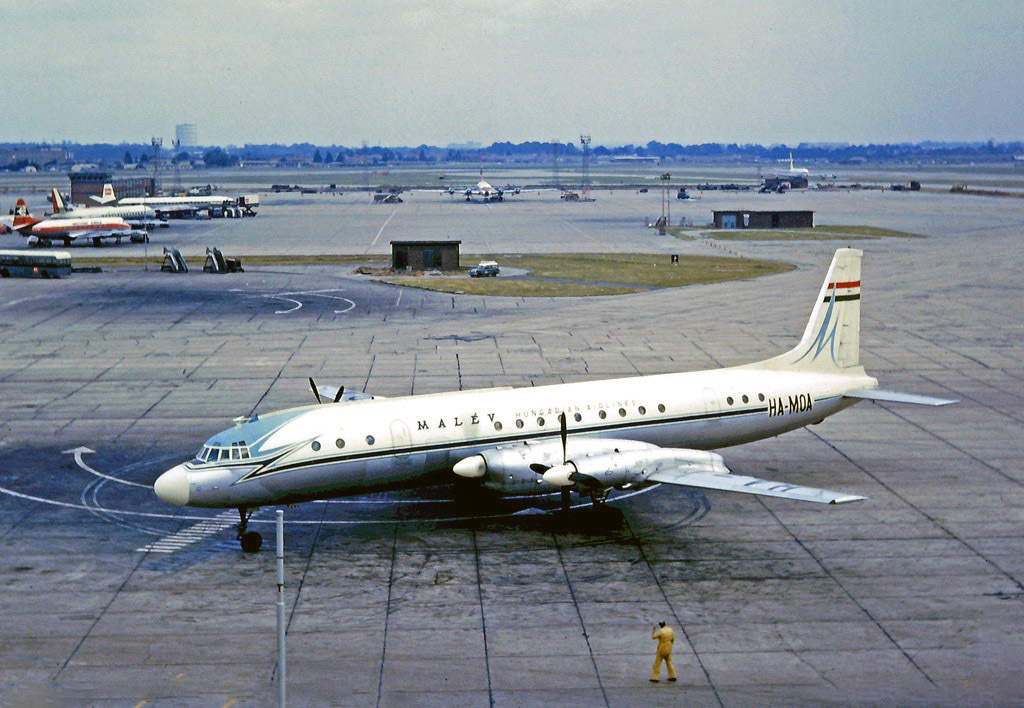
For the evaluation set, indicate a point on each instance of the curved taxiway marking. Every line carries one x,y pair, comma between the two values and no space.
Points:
290,297
79,451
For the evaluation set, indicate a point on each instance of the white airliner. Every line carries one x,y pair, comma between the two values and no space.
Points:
167,206
585,437
42,232
484,191
138,216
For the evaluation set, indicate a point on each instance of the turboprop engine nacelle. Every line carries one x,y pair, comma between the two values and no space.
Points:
627,468
521,467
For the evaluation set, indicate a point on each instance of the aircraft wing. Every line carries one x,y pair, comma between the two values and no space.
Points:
686,475
878,394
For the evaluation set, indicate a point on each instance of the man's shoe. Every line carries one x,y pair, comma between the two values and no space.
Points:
672,679
654,680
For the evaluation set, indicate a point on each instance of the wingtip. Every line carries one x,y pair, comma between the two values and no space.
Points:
846,498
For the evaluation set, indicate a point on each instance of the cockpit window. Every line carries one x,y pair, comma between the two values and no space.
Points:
237,451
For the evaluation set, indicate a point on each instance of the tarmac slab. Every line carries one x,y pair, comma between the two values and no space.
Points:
423,597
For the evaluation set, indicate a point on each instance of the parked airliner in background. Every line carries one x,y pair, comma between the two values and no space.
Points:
584,437
138,216
168,206
483,191
42,232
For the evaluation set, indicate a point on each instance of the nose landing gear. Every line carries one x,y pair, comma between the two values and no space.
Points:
250,541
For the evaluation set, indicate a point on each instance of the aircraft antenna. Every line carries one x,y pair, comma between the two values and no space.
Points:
585,181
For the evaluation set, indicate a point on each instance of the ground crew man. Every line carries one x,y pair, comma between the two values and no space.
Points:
665,637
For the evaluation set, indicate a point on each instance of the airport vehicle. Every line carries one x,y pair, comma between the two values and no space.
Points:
586,437
177,207
138,216
43,232
485,269
34,264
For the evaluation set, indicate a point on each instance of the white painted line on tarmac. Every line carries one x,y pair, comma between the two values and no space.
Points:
383,226
79,451
192,534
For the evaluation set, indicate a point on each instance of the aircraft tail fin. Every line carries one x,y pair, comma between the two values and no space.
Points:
831,340
22,219
59,207
107,196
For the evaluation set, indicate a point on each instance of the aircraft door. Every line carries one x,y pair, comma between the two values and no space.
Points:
712,407
401,439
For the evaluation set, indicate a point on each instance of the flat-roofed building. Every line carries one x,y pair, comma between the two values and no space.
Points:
425,255
748,219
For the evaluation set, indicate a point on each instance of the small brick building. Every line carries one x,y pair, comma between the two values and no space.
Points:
746,219
425,255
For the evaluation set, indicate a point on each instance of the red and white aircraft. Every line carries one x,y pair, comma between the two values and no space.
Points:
43,232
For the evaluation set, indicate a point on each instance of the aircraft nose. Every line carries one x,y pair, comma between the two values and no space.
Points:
173,486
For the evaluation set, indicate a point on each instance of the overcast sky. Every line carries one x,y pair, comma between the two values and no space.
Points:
405,73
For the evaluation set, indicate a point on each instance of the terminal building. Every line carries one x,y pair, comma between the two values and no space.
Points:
90,184
747,219
425,255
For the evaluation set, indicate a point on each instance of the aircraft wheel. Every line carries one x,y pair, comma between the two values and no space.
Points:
251,541
4,273
97,242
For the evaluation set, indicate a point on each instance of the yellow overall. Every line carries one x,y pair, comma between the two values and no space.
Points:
665,637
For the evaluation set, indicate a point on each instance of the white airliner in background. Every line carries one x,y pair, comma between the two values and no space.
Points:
138,216
584,437
167,206
484,191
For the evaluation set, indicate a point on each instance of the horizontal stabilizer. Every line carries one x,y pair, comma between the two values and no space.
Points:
877,394
749,485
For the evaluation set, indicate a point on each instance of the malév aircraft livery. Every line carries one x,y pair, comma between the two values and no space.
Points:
585,437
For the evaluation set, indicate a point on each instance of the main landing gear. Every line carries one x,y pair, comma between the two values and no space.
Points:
251,541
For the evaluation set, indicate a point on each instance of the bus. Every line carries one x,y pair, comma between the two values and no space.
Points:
35,264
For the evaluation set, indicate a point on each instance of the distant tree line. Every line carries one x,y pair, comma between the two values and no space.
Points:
110,155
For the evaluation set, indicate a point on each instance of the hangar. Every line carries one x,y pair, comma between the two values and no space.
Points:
747,219
425,255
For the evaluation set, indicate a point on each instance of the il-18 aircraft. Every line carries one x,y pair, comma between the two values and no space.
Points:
42,232
584,437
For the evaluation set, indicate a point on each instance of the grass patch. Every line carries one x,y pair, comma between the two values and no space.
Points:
504,287
817,233
589,274
197,261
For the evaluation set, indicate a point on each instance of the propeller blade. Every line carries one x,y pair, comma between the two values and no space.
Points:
339,394
564,432
539,468
312,387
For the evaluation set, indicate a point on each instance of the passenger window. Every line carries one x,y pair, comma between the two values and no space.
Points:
519,423
369,440
760,397
578,417
729,400
745,399
622,412
339,443
497,425
315,446
540,422
641,410
661,407
602,415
